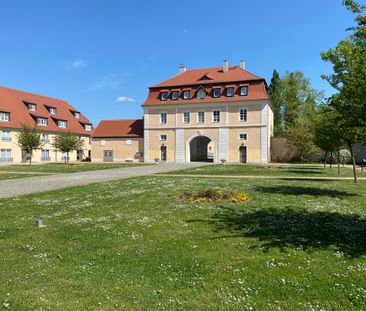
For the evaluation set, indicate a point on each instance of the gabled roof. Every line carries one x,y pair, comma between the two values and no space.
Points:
14,102
208,75
119,128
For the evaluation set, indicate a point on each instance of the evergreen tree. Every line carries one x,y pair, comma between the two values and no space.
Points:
275,90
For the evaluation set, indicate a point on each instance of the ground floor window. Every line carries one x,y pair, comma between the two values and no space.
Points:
6,136
45,155
64,156
5,155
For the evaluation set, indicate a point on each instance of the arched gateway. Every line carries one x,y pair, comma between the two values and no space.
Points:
201,148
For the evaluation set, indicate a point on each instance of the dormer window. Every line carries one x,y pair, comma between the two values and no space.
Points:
88,127
52,110
186,94
4,116
175,95
244,91
216,92
201,94
42,121
164,95
77,114
230,92
62,124
32,107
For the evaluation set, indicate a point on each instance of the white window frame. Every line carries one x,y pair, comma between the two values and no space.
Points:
32,107
42,121
45,137
47,157
203,92
243,139
161,135
4,116
186,92
184,117
173,97
88,127
166,117
62,124
128,142
53,110
6,135
8,155
163,96
227,91
198,117
244,87
246,114
77,115
213,92
213,116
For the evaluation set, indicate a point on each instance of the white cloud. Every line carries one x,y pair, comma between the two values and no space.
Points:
76,64
122,99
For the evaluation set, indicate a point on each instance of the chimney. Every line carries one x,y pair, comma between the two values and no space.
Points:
242,64
182,68
226,66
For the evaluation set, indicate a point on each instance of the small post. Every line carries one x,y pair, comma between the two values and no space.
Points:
40,223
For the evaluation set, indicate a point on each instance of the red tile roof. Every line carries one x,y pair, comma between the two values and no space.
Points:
209,78
15,102
119,128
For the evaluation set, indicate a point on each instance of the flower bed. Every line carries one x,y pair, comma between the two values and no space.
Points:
211,195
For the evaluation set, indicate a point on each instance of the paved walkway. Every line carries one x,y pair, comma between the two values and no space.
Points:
262,177
22,186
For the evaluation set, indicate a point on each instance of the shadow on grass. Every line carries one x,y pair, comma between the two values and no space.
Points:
298,190
304,172
295,229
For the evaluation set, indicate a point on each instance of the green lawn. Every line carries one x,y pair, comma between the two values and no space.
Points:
15,175
270,170
65,168
130,245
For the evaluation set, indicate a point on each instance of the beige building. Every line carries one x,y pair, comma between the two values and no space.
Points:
52,116
210,114
118,141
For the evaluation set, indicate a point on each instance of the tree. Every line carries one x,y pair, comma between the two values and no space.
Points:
66,142
301,136
275,90
29,139
349,79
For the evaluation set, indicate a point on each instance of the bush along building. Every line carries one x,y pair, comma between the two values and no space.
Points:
51,116
220,114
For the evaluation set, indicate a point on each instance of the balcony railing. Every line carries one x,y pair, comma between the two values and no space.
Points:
6,160
44,159
6,138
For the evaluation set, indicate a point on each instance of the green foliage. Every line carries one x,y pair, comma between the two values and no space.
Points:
67,142
29,139
275,90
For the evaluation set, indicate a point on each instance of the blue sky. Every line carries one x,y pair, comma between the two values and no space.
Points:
101,56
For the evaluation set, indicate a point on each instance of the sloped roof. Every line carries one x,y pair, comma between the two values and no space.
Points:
15,102
119,128
208,75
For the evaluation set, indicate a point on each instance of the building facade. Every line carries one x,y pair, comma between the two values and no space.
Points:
118,141
52,116
210,114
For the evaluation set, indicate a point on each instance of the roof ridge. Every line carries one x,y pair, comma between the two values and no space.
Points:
30,93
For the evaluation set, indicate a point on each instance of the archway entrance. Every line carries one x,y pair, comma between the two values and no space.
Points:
201,149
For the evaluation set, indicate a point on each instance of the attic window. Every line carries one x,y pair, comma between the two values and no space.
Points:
186,94
216,92
164,95
244,91
175,95
62,124
32,107
42,121
4,116
88,127
52,110
201,94
230,92
77,114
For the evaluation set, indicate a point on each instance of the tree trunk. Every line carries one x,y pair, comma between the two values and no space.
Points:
353,161
331,160
338,163
30,158
325,158
67,157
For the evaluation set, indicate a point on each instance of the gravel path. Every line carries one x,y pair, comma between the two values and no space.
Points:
22,186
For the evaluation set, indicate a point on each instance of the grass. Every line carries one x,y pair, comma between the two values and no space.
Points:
131,245
270,170
15,175
58,168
